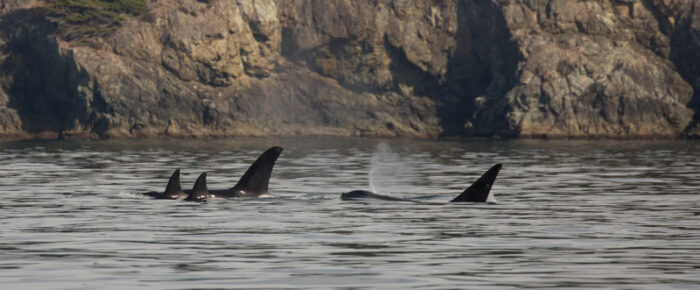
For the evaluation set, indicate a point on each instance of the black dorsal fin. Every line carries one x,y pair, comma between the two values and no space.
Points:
173,186
200,186
199,191
256,179
479,191
173,189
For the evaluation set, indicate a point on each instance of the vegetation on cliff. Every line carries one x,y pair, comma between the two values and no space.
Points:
424,68
86,18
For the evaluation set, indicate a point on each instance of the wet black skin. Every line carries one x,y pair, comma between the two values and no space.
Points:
357,194
199,191
477,192
253,183
172,190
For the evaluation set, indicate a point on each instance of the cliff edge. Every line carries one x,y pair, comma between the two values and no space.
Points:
421,69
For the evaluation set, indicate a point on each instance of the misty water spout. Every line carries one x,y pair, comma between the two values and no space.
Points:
389,172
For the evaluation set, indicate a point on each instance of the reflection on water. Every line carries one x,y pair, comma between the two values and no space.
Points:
571,213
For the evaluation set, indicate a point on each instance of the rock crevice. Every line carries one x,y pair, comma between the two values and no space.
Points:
422,69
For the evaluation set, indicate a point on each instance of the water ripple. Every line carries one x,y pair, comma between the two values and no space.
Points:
595,214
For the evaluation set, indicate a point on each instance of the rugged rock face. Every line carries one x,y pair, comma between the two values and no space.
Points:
7,6
685,53
190,69
594,68
193,68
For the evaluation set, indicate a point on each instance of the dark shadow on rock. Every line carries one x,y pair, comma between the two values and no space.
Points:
406,73
469,97
481,71
685,54
42,81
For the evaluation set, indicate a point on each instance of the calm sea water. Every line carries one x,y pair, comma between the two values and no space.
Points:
612,214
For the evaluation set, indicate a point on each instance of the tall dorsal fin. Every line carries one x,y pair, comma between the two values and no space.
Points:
199,191
173,186
173,189
256,179
479,190
200,186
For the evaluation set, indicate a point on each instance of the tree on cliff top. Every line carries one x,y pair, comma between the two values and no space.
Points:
86,18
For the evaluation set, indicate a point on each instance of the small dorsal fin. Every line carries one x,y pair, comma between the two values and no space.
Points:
174,183
256,179
479,190
199,191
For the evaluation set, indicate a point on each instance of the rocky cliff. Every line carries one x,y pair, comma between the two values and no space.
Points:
424,69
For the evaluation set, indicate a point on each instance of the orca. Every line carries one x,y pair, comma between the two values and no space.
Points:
255,180
172,190
253,183
199,191
477,192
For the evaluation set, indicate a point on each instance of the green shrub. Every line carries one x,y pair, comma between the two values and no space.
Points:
85,18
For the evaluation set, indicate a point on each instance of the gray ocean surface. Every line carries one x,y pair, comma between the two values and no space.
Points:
593,214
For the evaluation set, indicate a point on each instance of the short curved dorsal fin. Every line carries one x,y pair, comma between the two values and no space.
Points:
173,186
199,191
479,190
256,179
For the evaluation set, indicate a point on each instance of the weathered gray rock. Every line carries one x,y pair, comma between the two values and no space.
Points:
10,123
592,69
192,68
7,6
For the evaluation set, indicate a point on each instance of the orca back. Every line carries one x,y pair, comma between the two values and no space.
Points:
255,180
479,190
357,194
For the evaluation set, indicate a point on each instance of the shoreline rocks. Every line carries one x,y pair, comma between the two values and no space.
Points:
424,69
